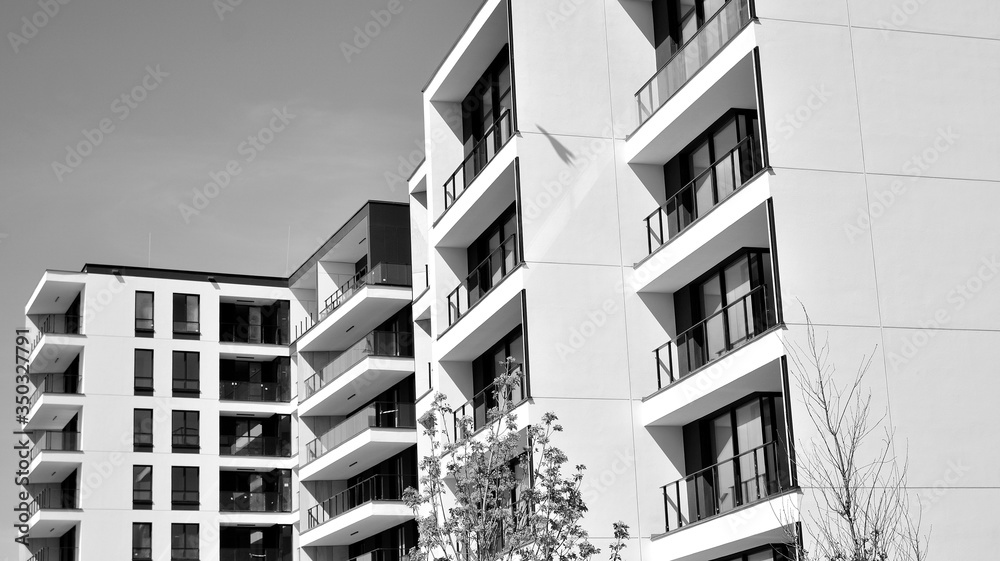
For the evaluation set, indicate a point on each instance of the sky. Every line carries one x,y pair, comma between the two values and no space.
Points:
118,119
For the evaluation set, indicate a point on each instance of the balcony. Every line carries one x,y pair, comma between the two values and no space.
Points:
691,57
477,410
55,554
260,392
54,455
480,282
705,192
56,396
53,511
253,501
363,302
55,340
381,554
363,510
255,446
733,326
376,432
253,554
482,153
736,505
253,334
373,364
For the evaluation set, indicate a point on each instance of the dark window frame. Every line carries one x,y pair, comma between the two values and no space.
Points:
185,438
143,389
475,123
188,496
143,550
186,386
142,440
142,328
142,497
184,531
182,325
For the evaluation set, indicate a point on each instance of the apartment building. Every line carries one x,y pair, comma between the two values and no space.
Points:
638,201
635,201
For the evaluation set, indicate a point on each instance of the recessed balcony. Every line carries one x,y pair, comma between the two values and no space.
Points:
376,432
476,411
370,366
494,315
484,277
56,399
362,303
59,337
55,554
53,511
254,501
54,455
363,510
691,58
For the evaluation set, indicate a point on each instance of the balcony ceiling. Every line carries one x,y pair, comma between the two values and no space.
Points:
360,314
475,50
55,292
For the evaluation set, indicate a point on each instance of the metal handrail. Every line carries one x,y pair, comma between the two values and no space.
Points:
379,414
389,274
454,299
254,501
54,441
375,343
703,494
741,157
265,392
479,404
757,317
480,150
50,384
54,499
244,332
375,488
255,446
737,12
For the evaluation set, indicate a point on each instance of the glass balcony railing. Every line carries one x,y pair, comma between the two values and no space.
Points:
54,499
478,408
497,265
691,57
743,479
253,554
57,441
56,324
712,186
244,332
381,414
375,488
254,501
388,274
714,337
376,343
267,392
255,446
55,554
62,383
475,162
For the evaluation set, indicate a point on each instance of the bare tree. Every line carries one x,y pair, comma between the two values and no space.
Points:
863,509
500,494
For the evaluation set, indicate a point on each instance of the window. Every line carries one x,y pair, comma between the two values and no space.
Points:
142,541
186,314
675,22
183,541
492,255
184,488
185,374
185,431
487,102
142,430
143,314
142,487
143,372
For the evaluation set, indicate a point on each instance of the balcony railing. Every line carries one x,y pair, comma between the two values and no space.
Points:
55,554
743,479
692,57
259,446
254,501
55,441
244,332
266,392
381,414
56,324
390,274
253,554
484,276
482,153
54,499
375,488
714,337
712,186
478,408
376,343
382,554
61,383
